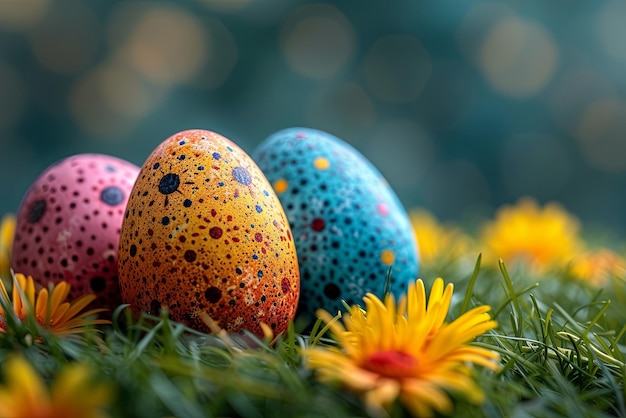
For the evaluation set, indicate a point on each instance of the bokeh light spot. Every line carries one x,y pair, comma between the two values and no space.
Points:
397,68
317,41
165,44
601,134
611,30
551,165
345,109
21,15
402,151
518,57
228,6
66,43
13,96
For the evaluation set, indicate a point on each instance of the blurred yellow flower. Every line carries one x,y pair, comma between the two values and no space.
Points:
7,231
50,311
598,266
74,393
436,241
405,351
539,238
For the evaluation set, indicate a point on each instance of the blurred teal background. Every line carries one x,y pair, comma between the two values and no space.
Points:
463,105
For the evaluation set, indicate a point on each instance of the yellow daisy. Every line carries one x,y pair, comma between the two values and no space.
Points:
407,352
74,393
7,231
50,311
540,238
437,241
598,266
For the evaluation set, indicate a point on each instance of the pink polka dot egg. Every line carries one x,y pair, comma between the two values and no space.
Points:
349,227
68,225
205,236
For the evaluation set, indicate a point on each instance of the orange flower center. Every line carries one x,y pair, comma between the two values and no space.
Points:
391,363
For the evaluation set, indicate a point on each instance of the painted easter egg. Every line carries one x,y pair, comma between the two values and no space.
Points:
68,225
204,233
348,225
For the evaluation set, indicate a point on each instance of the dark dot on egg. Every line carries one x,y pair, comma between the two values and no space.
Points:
332,291
213,294
97,284
238,271
181,143
155,307
259,273
187,203
181,157
285,285
133,250
258,208
169,183
64,262
258,237
156,165
318,224
190,256
165,220
215,232
37,210
112,195
242,175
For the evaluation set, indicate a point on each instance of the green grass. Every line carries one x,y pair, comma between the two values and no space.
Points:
561,344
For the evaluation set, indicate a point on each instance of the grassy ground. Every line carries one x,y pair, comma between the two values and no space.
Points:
561,343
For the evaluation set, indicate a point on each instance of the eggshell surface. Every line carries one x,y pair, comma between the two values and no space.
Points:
68,225
349,228
205,232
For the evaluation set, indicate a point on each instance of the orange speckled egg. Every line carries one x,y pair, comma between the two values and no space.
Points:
204,232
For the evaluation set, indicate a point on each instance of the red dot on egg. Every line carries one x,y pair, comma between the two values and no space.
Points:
318,224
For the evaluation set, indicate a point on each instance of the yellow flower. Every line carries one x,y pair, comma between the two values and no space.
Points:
436,241
7,231
74,393
541,238
406,352
48,306
598,266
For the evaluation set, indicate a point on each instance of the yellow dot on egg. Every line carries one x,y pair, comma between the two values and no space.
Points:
387,257
321,163
280,186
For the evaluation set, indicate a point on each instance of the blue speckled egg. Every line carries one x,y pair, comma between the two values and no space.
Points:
348,225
